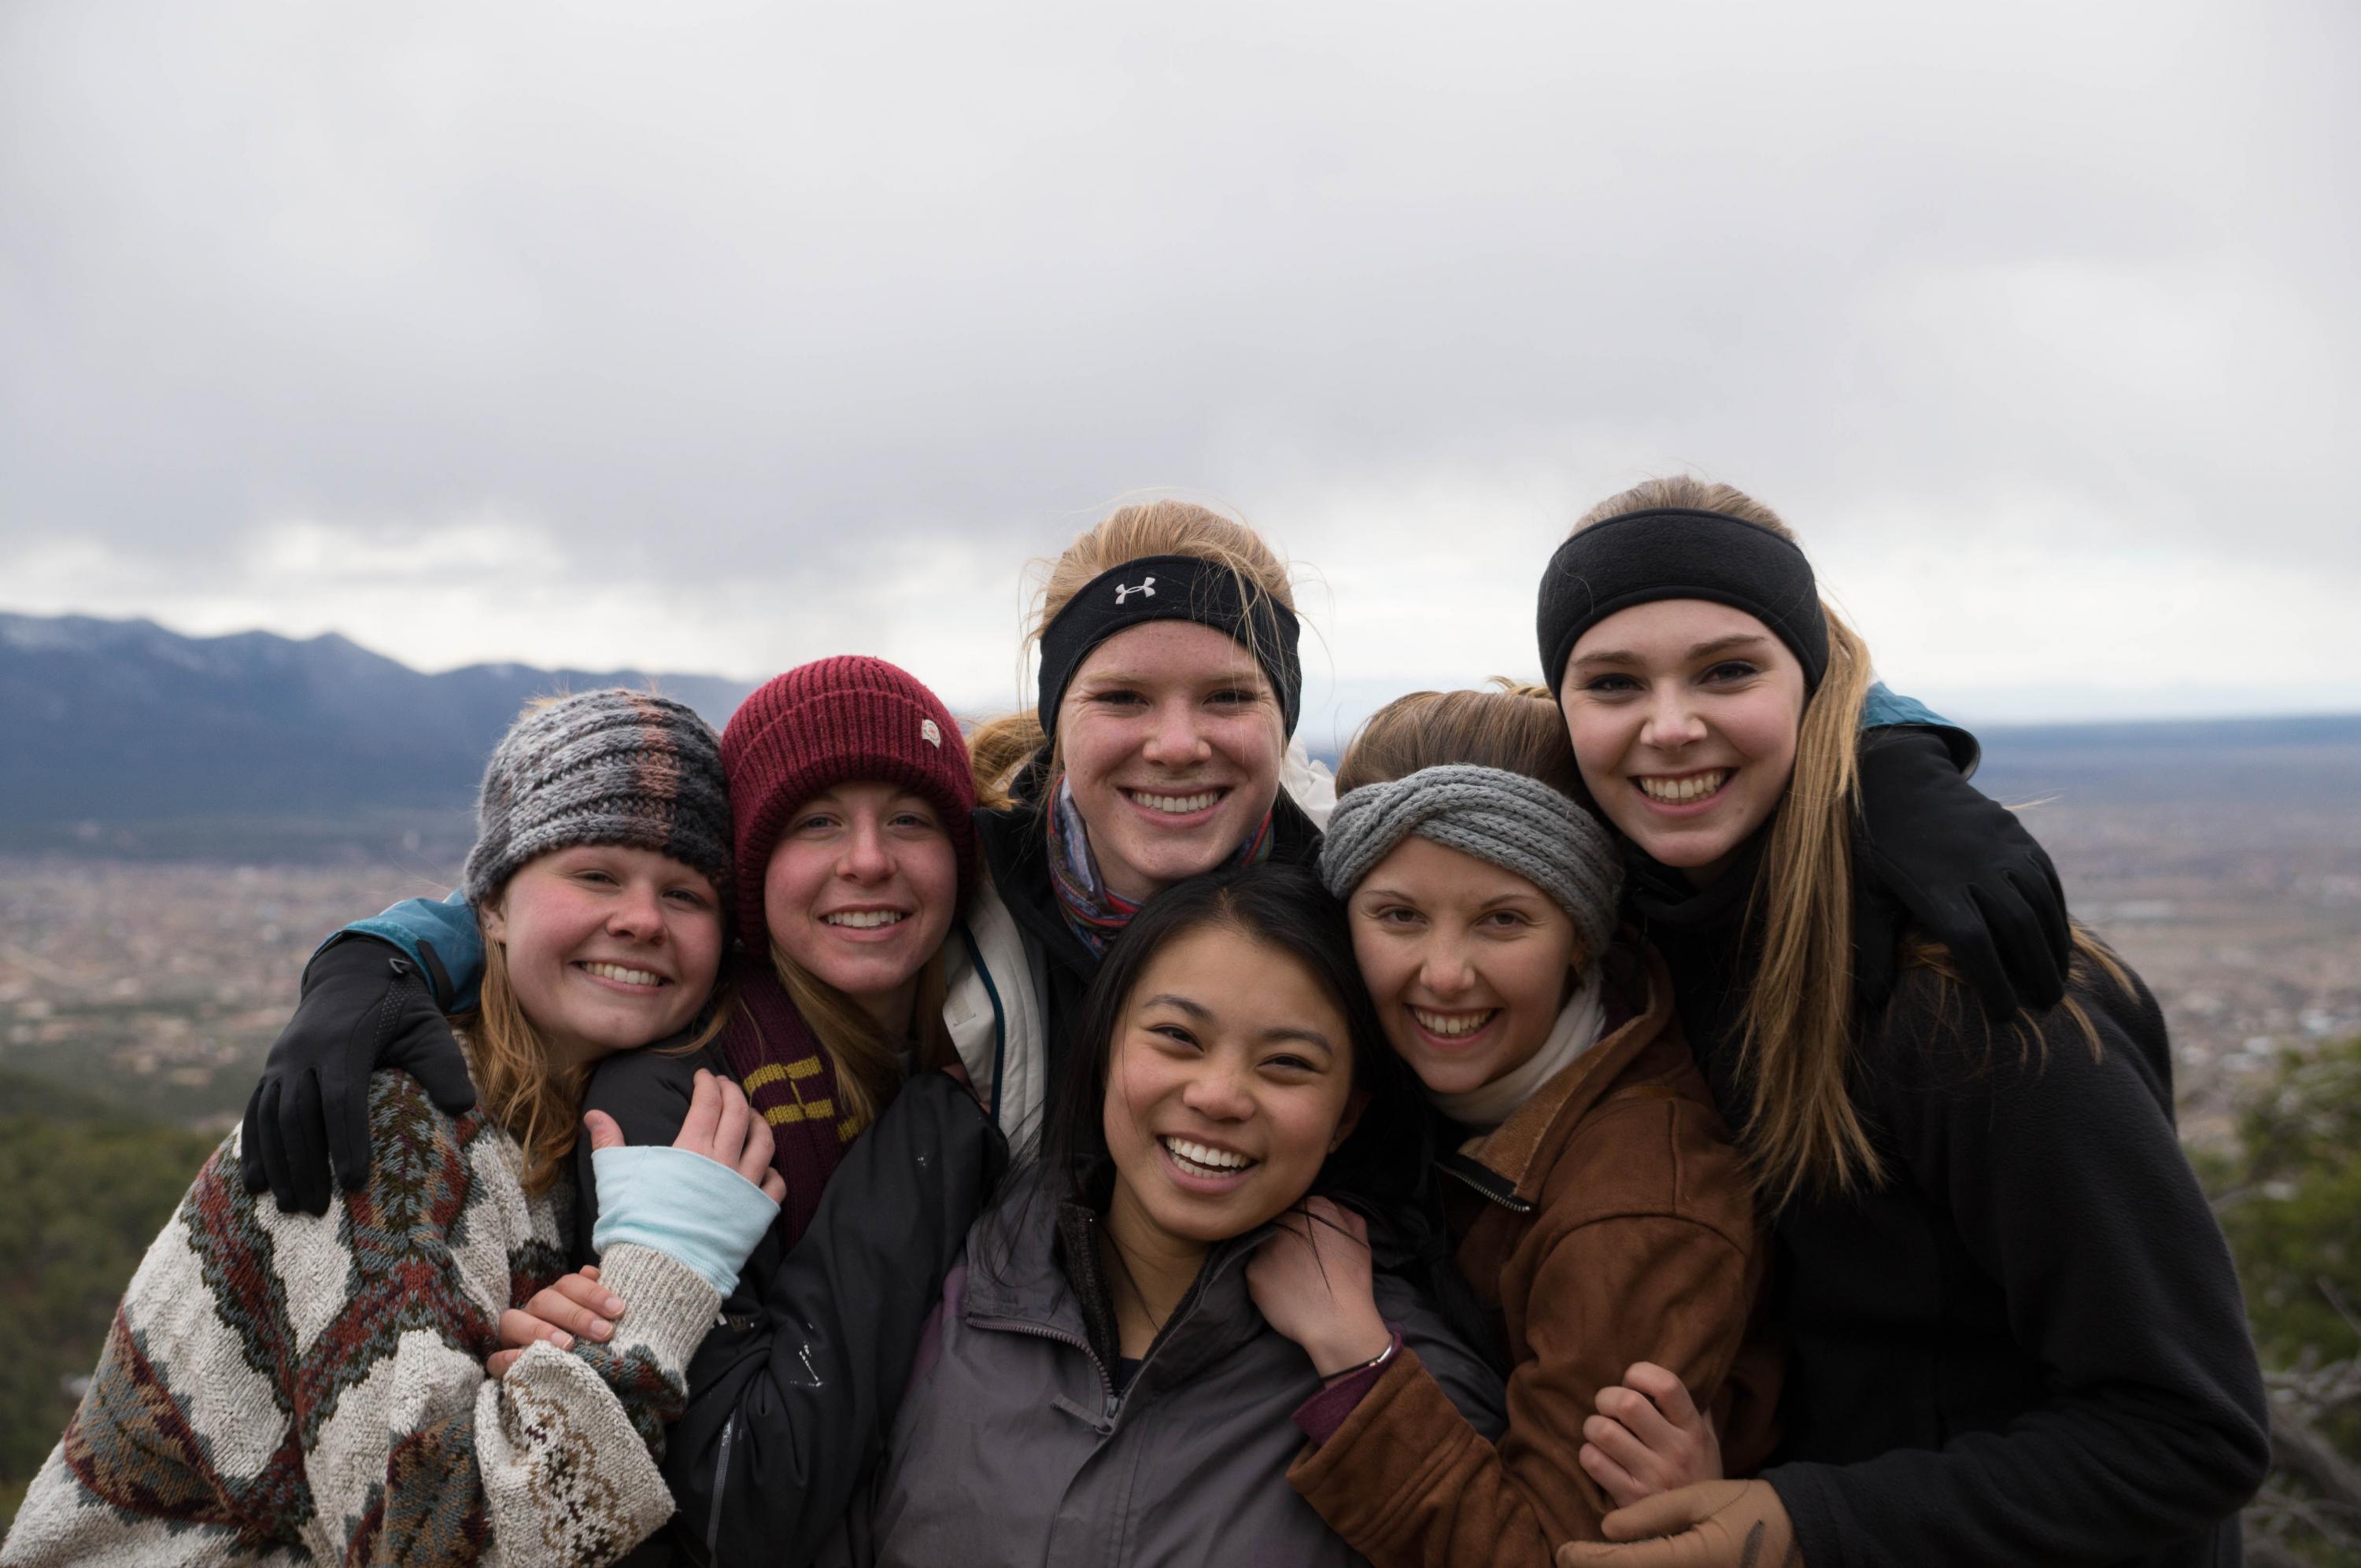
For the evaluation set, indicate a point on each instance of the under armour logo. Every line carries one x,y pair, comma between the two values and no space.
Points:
1148,588
931,733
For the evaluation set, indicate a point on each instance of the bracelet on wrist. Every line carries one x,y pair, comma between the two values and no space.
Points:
1393,1342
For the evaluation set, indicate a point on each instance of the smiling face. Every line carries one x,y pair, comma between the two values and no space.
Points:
859,892
1684,715
1171,740
1229,1082
1470,963
608,948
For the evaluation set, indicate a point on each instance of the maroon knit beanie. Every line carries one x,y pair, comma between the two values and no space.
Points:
827,723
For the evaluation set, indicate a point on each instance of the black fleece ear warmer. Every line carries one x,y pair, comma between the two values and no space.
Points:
1674,552
1171,588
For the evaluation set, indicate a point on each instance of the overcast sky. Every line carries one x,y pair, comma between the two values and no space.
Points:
720,337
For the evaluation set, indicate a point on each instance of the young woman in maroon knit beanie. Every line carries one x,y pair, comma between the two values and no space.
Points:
854,851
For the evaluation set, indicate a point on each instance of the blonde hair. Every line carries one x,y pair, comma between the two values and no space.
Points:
1803,1131
866,1060
998,748
538,1103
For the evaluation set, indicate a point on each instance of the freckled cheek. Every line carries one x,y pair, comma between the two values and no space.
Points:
791,884
1092,747
1251,743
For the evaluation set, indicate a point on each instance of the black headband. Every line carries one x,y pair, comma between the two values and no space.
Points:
1681,553
1171,587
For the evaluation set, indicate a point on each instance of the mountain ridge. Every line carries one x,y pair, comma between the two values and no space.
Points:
125,720
107,725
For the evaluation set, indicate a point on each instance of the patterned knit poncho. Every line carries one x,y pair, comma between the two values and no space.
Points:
286,1389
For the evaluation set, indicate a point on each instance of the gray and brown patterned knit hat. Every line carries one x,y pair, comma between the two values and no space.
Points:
602,767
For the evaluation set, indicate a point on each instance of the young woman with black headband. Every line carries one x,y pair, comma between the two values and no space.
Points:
2013,1331
1169,688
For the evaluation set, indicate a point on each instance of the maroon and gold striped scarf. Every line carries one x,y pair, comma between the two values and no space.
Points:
779,1063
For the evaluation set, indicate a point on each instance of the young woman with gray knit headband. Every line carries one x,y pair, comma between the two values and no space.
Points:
288,1388
1601,1211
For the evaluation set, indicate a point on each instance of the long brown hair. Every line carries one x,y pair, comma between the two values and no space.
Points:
537,1102
1798,1023
999,747
866,1060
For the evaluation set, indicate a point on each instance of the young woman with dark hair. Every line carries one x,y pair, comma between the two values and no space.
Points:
1097,1388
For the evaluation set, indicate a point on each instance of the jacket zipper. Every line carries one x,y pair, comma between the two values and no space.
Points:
1040,1330
1508,1201
720,1485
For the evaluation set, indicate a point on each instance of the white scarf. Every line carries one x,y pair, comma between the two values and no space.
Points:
1488,1105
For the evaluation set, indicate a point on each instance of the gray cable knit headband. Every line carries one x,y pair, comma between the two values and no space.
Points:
602,767
1519,824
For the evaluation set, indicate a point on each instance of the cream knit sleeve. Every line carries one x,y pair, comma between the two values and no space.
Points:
417,1449
291,1388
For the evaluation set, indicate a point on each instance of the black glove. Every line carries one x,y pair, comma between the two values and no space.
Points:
1966,870
364,1006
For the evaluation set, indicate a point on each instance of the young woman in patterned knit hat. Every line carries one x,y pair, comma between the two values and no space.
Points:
279,1386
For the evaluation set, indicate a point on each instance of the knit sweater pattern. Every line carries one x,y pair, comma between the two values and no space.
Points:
290,1388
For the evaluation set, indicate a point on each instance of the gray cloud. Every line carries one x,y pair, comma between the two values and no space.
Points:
739,333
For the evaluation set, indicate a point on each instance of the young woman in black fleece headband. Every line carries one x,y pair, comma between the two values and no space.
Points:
2013,1329
1170,687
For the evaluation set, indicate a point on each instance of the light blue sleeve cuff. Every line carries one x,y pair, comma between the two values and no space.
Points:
691,1208
1885,706
450,925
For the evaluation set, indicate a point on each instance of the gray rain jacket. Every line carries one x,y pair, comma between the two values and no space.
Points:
1013,1446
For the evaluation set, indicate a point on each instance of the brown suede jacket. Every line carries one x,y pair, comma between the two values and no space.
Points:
1618,1227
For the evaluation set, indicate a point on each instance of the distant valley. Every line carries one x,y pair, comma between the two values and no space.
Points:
181,819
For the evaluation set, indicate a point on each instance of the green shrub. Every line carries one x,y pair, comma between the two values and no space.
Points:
84,1198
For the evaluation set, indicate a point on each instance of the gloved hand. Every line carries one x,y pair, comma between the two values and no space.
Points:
364,1006
1966,870
1713,1524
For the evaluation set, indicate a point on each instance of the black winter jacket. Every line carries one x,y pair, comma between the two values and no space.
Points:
791,1395
2028,1344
